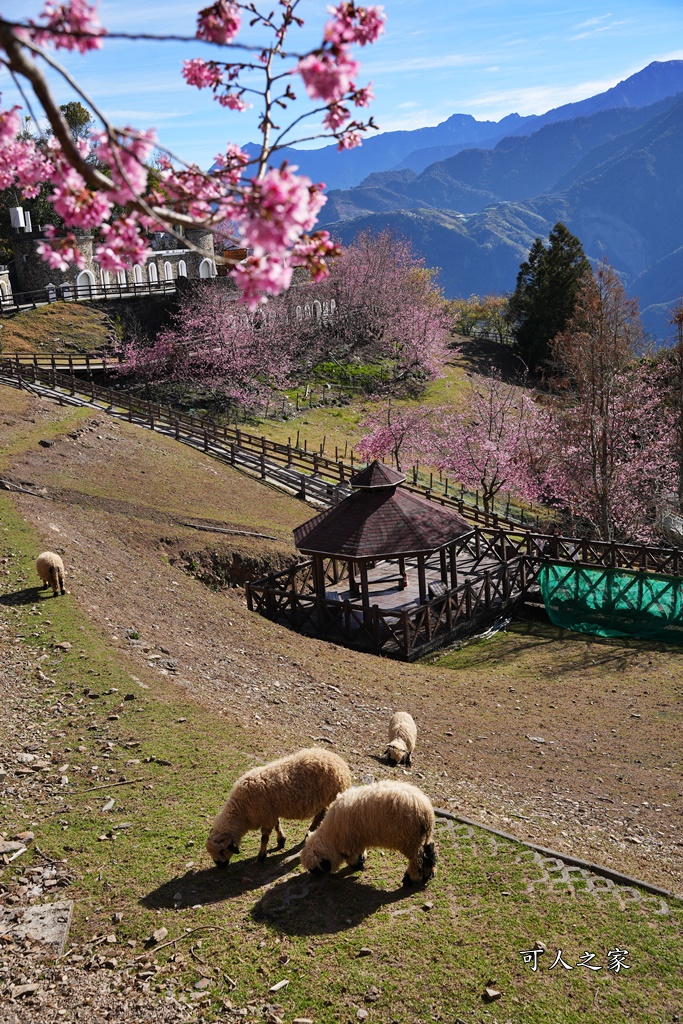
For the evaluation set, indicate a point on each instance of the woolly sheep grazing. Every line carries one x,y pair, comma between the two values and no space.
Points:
389,815
402,737
298,786
51,571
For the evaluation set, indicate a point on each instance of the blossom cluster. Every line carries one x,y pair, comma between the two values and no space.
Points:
272,211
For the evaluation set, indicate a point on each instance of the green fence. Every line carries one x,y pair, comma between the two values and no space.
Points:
614,602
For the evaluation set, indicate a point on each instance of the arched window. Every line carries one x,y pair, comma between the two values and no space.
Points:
152,273
317,310
168,271
137,274
299,313
307,311
85,280
105,277
333,306
182,268
206,269
121,276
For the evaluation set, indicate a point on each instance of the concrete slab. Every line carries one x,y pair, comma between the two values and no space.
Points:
47,923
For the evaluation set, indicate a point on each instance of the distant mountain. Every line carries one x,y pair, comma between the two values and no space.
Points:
423,146
381,152
517,168
613,178
655,82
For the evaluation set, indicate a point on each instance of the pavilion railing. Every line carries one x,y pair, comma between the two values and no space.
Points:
501,568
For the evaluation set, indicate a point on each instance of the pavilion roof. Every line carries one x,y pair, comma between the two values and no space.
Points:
377,475
381,522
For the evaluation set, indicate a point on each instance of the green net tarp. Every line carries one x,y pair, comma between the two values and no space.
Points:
614,602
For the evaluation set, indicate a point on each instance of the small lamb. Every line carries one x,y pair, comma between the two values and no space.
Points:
389,815
50,568
402,737
298,786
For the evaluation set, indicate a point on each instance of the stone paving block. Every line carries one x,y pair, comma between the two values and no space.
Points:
48,923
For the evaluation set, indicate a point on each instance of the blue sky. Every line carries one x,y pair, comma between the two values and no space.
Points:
438,57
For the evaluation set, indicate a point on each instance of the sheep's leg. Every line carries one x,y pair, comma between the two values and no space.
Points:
358,863
280,836
263,848
409,761
317,820
414,873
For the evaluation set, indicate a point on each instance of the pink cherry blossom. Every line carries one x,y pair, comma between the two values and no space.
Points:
219,23
76,17
201,74
60,253
353,24
328,77
232,101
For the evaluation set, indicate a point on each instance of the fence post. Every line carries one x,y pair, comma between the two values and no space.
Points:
177,430
232,453
375,625
406,633
262,460
302,492
206,441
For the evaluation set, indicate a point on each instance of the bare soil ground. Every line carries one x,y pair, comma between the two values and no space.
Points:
604,785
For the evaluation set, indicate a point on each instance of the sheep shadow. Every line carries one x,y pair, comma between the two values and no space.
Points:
311,904
30,595
213,885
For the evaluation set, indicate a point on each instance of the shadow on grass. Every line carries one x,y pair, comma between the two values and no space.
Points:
213,885
311,904
31,595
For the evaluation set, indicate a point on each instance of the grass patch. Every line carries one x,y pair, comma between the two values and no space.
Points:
58,327
258,925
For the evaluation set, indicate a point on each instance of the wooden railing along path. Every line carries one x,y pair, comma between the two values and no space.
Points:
309,474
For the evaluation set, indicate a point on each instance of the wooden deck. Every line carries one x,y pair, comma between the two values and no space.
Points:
383,581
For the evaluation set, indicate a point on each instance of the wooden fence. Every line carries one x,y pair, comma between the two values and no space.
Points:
314,475
487,591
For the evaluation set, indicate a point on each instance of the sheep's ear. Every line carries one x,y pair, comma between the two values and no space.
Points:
325,865
233,848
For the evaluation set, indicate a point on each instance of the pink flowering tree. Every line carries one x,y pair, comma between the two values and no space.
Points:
388,308
215,348
603,448
272,209
400,433
485,444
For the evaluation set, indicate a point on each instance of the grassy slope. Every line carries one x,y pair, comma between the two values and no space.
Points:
428,964
482,914
49,328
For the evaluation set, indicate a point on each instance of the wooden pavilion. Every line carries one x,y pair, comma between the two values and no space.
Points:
383,525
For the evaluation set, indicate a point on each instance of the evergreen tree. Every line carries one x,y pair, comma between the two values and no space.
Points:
545,296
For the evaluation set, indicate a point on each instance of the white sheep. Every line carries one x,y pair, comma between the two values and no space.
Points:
402,737
51,571
298,786
389,815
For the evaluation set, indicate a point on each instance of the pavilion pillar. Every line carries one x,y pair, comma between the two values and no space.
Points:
422,578
403,579
353,586
444,567
454,566
319,575
364,589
